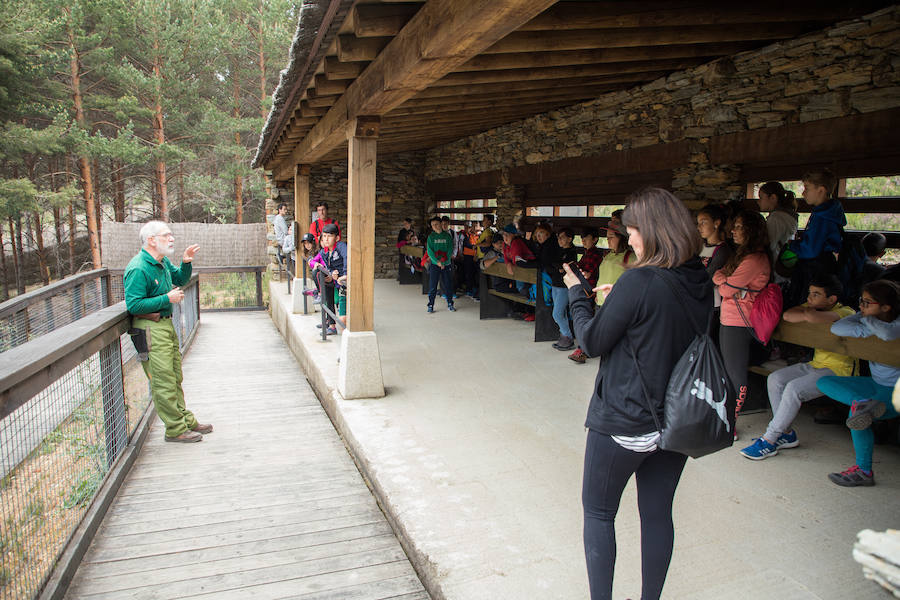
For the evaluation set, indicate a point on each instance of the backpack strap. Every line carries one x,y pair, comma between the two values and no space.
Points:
678,290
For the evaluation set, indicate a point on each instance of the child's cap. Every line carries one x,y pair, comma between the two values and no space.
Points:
511,229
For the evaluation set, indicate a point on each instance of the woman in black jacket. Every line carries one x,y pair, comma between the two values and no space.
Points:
642,323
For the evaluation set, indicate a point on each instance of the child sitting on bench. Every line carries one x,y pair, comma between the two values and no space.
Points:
791,386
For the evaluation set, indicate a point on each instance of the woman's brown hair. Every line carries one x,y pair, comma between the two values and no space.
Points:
886,293
785,199
756,239
669,234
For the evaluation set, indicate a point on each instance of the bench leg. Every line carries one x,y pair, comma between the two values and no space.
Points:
490,307
545,328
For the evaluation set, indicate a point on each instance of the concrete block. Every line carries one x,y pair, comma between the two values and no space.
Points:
297,298
359,374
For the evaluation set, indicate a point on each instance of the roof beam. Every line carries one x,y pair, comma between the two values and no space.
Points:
440,37
532,60
585,39
626,72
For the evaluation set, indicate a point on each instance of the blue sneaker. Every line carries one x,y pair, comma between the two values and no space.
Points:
451,308
787,440
430,308
759,450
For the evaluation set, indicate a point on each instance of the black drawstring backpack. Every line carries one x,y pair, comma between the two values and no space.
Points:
699,407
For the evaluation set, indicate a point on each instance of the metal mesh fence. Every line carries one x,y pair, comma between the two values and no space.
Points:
233,290
50,312
55,451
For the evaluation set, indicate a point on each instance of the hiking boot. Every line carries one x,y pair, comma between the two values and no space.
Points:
853,477
578,356
203,428
787,440
564,343
186,438
759,450
863,413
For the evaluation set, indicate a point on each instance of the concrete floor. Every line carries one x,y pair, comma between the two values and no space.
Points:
476,454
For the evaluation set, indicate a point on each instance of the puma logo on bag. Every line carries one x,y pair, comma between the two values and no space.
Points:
705,393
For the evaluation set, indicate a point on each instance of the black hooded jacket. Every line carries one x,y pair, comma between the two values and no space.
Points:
643,309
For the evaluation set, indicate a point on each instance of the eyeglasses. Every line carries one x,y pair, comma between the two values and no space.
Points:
165,235
865,302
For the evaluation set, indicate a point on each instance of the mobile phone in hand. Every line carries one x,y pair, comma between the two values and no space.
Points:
585,284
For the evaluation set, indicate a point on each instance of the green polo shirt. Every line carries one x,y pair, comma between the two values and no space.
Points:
148,281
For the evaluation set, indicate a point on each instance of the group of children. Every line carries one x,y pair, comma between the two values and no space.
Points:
820,278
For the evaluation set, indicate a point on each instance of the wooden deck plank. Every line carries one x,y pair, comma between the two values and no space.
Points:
268,505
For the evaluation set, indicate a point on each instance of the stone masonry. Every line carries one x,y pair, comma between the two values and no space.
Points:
851,68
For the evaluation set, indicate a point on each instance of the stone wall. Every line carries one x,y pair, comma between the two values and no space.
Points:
851,68
399,193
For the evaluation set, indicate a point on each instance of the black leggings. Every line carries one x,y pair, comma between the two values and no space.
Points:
734,343
607,468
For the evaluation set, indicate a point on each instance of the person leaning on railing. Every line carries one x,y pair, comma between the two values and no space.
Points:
151,288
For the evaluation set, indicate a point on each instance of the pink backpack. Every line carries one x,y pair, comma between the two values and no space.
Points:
766,312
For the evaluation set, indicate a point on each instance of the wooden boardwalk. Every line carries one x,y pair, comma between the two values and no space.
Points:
269,505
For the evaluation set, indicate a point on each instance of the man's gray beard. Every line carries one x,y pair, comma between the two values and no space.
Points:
168,250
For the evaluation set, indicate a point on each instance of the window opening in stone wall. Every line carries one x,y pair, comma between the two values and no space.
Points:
604,210
861,219
459,210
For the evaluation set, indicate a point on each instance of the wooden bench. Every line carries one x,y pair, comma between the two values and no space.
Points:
818,335
498,305
404,276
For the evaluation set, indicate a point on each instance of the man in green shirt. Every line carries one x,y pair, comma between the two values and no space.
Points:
151,288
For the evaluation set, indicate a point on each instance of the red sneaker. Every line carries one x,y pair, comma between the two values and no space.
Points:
529,317
578,356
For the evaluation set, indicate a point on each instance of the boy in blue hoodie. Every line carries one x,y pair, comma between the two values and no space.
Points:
821,240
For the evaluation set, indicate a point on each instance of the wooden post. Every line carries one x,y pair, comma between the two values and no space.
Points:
362,135
301,210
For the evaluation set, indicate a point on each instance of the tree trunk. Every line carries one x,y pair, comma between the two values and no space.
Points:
4,291
97,206
238,179
160,134
119,186
71,222
15,252
42,258
263,94
181,198
20,256
57,218
84,165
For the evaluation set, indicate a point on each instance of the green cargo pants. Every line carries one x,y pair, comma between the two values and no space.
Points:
163,369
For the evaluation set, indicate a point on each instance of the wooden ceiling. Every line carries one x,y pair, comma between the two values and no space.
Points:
462,67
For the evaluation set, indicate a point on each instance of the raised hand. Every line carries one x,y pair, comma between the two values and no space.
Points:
189,253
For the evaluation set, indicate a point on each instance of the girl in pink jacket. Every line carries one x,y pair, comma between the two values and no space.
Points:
743,276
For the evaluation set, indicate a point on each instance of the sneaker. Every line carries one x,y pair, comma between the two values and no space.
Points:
578,356
759,450
528,317
331,330
451,308
430,309
564,343
853,477
203,428
863,413
736,436
787,440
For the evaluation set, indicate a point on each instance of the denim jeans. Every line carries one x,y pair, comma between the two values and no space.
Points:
445,276
561,310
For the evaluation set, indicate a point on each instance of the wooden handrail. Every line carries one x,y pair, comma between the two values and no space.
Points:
14,305
818,335
28,369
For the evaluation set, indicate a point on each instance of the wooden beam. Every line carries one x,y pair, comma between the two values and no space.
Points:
301,208
329,87
322,101
854,136
512,97
311,111
532,60
353,49
362,160
381,20
441,36
459,91
627,72
583,39
614,15
335,69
